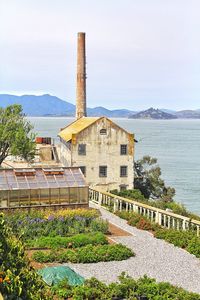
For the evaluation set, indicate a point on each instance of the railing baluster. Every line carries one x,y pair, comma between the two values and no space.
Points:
164,218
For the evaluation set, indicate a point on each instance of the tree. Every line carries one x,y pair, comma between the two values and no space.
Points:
16,137
148,180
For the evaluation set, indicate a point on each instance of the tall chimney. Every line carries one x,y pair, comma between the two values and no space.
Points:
81,78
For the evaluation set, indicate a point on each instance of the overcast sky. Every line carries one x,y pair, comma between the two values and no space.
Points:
140,53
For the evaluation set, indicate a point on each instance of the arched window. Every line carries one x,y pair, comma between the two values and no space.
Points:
103,131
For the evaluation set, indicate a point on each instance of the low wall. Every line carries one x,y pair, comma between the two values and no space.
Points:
162,217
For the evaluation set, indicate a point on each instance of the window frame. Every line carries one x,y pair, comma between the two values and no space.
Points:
84,172
121,172
81,151
100,171
121,147
103,131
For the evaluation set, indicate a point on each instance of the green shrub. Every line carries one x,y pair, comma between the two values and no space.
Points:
194,246
99,225
60,223
87,254
131,194
179,238
137,220
176,207
75,241
126,288
18,280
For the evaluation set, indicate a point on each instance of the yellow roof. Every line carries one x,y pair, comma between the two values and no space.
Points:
76,127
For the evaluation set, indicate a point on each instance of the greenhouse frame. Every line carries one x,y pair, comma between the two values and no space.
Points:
42,186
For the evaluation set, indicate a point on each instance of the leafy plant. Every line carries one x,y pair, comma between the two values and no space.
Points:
16,137
18,281
62,222
75,241
126,288
87,254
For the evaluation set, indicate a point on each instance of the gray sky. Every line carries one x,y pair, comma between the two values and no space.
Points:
140,53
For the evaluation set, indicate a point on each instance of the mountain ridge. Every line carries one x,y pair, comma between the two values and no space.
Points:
48,105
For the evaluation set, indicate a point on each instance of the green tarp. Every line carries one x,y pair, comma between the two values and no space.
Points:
53,275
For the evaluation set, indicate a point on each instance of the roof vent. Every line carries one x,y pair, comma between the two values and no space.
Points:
103,131
24,172
50,171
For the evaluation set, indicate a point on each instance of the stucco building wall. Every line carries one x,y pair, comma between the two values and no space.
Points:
102,150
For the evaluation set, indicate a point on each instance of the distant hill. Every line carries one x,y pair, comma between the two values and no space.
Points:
152,113
47,105
188,114
168,111
117,113
39,105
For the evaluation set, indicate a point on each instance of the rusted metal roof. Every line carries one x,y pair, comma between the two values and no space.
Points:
76,127
38,178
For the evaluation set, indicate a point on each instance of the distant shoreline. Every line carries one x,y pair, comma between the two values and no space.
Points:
123,118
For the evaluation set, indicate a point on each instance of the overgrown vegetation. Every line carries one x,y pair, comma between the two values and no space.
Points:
36,224
148,180
183,239
87,254
126,288
17,279
177,208
16,137
78,240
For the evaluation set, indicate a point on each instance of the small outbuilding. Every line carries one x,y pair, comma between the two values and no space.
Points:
43,187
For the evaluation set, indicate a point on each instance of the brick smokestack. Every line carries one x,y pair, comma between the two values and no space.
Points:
81,78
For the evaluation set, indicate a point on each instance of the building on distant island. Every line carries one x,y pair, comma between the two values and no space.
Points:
103,150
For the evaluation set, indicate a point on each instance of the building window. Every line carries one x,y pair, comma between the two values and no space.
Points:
83,170
123,149
82,149
103,131
123,187
103,171
123,171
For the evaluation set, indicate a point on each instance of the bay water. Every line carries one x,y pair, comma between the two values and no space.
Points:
175,143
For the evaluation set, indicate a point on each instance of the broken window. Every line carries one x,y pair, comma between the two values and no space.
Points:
83,170
82,149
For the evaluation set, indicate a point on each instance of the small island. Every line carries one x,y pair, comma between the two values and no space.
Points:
154,114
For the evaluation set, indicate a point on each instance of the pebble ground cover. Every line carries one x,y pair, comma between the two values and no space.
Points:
187,240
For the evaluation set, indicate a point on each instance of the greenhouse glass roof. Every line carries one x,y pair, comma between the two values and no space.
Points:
15,179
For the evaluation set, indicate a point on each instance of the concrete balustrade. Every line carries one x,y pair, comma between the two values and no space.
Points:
166,219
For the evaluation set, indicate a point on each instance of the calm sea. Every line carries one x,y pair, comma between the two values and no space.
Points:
176,144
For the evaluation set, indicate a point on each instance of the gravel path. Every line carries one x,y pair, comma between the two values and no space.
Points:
155,258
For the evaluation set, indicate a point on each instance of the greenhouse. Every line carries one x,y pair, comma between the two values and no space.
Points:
42,186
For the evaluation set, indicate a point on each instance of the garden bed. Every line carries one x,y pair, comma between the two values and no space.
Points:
77,236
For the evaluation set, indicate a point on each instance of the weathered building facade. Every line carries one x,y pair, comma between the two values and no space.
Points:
102,150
